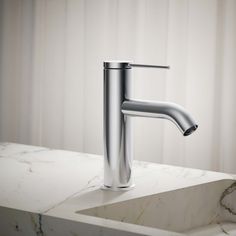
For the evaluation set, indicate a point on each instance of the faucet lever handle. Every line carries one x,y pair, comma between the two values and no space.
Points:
150,66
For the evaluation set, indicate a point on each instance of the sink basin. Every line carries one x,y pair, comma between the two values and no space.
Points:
205,209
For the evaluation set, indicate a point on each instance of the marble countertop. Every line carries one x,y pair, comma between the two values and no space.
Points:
48,187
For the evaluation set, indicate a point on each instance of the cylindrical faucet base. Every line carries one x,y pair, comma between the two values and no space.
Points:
117,130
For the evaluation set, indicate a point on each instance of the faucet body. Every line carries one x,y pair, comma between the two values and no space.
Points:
119,107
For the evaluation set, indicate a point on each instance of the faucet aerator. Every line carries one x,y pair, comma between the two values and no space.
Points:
190,130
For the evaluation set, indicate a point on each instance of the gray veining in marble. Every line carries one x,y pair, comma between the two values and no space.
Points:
42,191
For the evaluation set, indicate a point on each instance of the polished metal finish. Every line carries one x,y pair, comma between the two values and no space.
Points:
150,66
117,65
128,65
165,110
119,107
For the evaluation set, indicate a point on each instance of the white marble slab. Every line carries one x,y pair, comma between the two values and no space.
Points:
41,191
219,229
179,210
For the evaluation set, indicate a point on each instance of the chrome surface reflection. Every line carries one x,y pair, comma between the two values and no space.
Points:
119,107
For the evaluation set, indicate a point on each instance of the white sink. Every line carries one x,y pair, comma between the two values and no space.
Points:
198,210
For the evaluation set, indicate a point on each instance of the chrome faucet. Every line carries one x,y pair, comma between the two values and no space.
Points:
119,107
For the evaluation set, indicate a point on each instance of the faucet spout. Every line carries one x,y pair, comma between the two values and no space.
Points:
165,110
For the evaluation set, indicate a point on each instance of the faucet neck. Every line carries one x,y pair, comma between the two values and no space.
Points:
117,127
